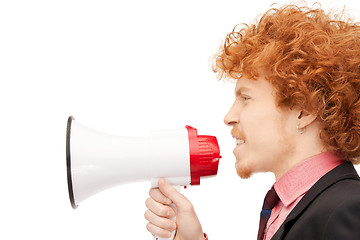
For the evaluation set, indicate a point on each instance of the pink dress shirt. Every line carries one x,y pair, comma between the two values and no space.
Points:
293,185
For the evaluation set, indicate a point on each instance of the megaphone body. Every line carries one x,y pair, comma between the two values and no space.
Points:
97,161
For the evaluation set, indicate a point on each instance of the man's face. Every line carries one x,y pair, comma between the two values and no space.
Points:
264,133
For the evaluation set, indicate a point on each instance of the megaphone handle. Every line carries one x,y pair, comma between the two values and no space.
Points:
177,187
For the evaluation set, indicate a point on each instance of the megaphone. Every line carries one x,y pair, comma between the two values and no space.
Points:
97,161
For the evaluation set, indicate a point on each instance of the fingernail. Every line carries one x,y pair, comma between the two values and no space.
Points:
167,201
161,181
171,213
172,226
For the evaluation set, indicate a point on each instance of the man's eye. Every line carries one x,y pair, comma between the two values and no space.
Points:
245,98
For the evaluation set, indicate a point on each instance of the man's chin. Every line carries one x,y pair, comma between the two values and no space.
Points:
243,170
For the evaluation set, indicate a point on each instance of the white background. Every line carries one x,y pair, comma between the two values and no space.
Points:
122,67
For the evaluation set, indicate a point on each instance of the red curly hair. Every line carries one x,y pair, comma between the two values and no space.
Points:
313,62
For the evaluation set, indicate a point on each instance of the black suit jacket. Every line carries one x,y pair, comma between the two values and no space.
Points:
329,210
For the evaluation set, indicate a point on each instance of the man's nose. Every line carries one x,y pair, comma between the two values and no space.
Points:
232,117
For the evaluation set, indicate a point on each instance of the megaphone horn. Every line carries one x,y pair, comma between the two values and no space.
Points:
97,161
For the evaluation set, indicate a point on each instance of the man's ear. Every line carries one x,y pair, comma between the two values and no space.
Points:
305,118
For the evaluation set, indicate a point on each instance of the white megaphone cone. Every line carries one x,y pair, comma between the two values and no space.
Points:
97,161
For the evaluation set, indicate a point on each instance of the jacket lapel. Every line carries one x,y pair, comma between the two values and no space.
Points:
343,171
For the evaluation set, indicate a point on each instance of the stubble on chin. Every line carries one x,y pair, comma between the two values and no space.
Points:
243,170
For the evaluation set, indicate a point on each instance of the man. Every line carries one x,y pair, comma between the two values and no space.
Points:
296,114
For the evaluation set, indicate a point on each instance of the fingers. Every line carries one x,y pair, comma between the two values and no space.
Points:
156,231
159,213
159,197
159,222
171,193
159,209
158,216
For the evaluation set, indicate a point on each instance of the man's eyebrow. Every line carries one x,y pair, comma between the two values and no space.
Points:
240,90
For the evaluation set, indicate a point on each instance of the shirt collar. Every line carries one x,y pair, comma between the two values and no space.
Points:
300,178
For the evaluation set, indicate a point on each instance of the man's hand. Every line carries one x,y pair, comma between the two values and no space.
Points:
160,213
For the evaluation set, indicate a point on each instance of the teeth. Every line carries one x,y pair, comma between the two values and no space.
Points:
239,141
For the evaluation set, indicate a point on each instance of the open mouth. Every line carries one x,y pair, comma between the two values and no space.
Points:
238,135
239,141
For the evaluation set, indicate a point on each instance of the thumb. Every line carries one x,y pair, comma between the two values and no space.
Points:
174,195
